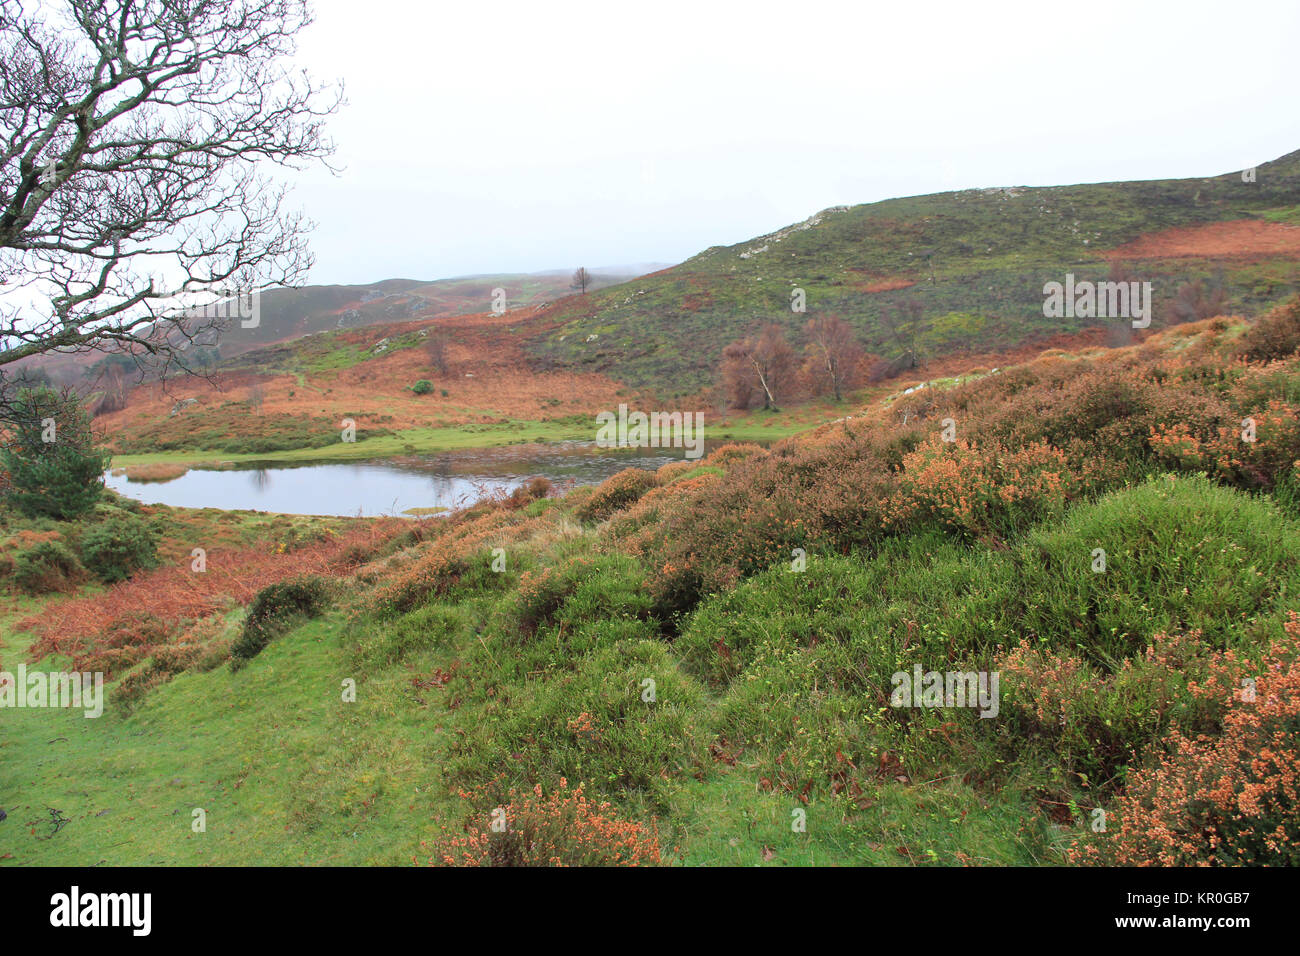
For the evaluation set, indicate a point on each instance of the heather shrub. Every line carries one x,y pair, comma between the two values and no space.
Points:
1262,459
1274,336
979,491
1231,799
560,828
532,490
755,517
616,493
729,454
433,573
1095,723
577,590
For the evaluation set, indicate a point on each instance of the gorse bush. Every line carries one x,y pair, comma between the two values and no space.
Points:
274,610
1180,553
113,549
422,387
47,566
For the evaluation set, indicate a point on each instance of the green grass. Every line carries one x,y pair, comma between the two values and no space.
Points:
286,772
753,427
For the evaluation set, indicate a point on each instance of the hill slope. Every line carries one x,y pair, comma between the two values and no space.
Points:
976,261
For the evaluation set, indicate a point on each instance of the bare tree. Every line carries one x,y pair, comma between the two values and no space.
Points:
758,368
1200,299
834,357
581,279
138,145
435,346
256,396
905,322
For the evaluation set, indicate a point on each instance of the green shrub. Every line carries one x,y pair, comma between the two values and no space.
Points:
55,468
422,387
274,610
596,722
1180,553
47,566
113,549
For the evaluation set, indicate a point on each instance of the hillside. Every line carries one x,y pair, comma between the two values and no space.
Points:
656,674
288,314
975,260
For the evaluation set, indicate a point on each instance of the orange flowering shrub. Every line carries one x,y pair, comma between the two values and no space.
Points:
979,490
1260,450
616,493
443,561
562,828
1223,800
1096,722
1275,335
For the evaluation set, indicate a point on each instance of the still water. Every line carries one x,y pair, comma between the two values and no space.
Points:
390,486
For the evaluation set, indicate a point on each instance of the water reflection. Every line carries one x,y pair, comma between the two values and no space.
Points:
391,486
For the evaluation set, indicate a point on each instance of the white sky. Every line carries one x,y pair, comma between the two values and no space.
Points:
515,137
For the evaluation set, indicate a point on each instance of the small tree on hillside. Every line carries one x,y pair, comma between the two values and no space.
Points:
1200,300
55,468
581,279
435,346
761,368
905,323
834,358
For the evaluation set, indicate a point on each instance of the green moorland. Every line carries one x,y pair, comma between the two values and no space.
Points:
319,440
972,262
697,665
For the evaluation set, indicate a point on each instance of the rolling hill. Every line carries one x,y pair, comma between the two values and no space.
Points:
975,261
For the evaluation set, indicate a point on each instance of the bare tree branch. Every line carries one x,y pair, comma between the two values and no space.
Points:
139,142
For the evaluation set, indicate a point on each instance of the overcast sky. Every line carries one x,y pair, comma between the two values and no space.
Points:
515,137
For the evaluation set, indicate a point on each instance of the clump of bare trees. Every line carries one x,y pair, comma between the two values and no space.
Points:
763,370
1199,299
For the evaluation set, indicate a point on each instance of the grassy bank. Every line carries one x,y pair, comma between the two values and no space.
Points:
758,427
